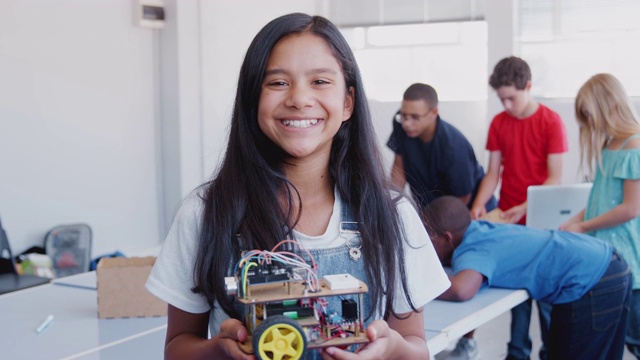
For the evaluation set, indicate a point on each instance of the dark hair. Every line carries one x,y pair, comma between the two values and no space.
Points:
245,197
419,91
510,71
446,213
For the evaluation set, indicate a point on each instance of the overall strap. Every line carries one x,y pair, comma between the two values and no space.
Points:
347,225
626,141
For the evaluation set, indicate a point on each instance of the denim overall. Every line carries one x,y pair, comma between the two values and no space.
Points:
336,260
329,261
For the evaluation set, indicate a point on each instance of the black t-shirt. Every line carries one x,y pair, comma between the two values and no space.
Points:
446,165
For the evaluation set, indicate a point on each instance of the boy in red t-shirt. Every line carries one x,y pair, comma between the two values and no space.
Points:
526,143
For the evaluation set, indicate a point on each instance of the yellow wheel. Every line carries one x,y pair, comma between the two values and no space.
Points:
279,338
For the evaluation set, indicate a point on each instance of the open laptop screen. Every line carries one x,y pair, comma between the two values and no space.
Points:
548,206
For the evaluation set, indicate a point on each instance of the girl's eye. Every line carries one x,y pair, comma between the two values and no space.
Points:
277,83
321,82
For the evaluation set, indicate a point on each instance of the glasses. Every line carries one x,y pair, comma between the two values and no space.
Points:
400,117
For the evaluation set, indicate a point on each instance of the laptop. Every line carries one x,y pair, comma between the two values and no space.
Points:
549,206
10,280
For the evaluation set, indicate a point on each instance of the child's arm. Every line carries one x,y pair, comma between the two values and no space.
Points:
487,186
187,337
554,169
464,285
627,210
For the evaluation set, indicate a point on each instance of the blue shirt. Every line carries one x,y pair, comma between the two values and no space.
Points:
554,266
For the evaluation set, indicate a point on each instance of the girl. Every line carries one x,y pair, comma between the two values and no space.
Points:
610,137
301,162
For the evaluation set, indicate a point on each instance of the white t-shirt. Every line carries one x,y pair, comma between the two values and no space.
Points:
172,279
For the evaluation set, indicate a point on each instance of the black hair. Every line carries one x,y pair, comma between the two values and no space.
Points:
509,71
419,91
250,197
446,213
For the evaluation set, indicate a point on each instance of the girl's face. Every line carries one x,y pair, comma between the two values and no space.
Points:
304,100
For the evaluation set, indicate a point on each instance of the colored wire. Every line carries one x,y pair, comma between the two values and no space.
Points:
244,280
252,258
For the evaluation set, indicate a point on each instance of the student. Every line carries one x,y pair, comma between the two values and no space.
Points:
584,278
301,158
610,138
526,142
431,154
436,159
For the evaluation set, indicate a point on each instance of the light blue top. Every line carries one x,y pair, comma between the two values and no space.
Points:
618,165
554,266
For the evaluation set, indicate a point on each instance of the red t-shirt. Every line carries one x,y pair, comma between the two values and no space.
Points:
525,145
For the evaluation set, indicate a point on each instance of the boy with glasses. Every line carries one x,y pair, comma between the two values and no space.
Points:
431,154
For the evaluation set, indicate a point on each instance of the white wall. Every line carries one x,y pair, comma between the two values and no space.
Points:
180,97
77,123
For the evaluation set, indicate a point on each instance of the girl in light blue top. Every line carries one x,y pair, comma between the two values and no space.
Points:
610,139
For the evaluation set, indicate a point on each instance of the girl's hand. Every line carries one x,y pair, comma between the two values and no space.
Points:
574,220
565,225
229,342
380,342
573,227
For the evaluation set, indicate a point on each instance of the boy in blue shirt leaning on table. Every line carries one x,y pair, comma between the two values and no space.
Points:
585,280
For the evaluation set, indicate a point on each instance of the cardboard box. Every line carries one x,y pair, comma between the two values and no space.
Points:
121,291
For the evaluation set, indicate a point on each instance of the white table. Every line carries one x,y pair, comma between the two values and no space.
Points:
146,345
77,333
448,320
75,329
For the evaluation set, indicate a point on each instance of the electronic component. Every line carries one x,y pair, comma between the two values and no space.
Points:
230,285
334,319
349,309
341,281
282,295
269,273
290,309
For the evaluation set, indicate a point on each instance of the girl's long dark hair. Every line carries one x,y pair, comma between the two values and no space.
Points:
245,197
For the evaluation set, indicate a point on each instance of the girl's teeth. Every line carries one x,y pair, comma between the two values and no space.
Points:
299,123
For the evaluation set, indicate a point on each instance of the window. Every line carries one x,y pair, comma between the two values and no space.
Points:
567,41
451,56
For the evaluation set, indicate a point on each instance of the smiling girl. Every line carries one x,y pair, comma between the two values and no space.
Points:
301,160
